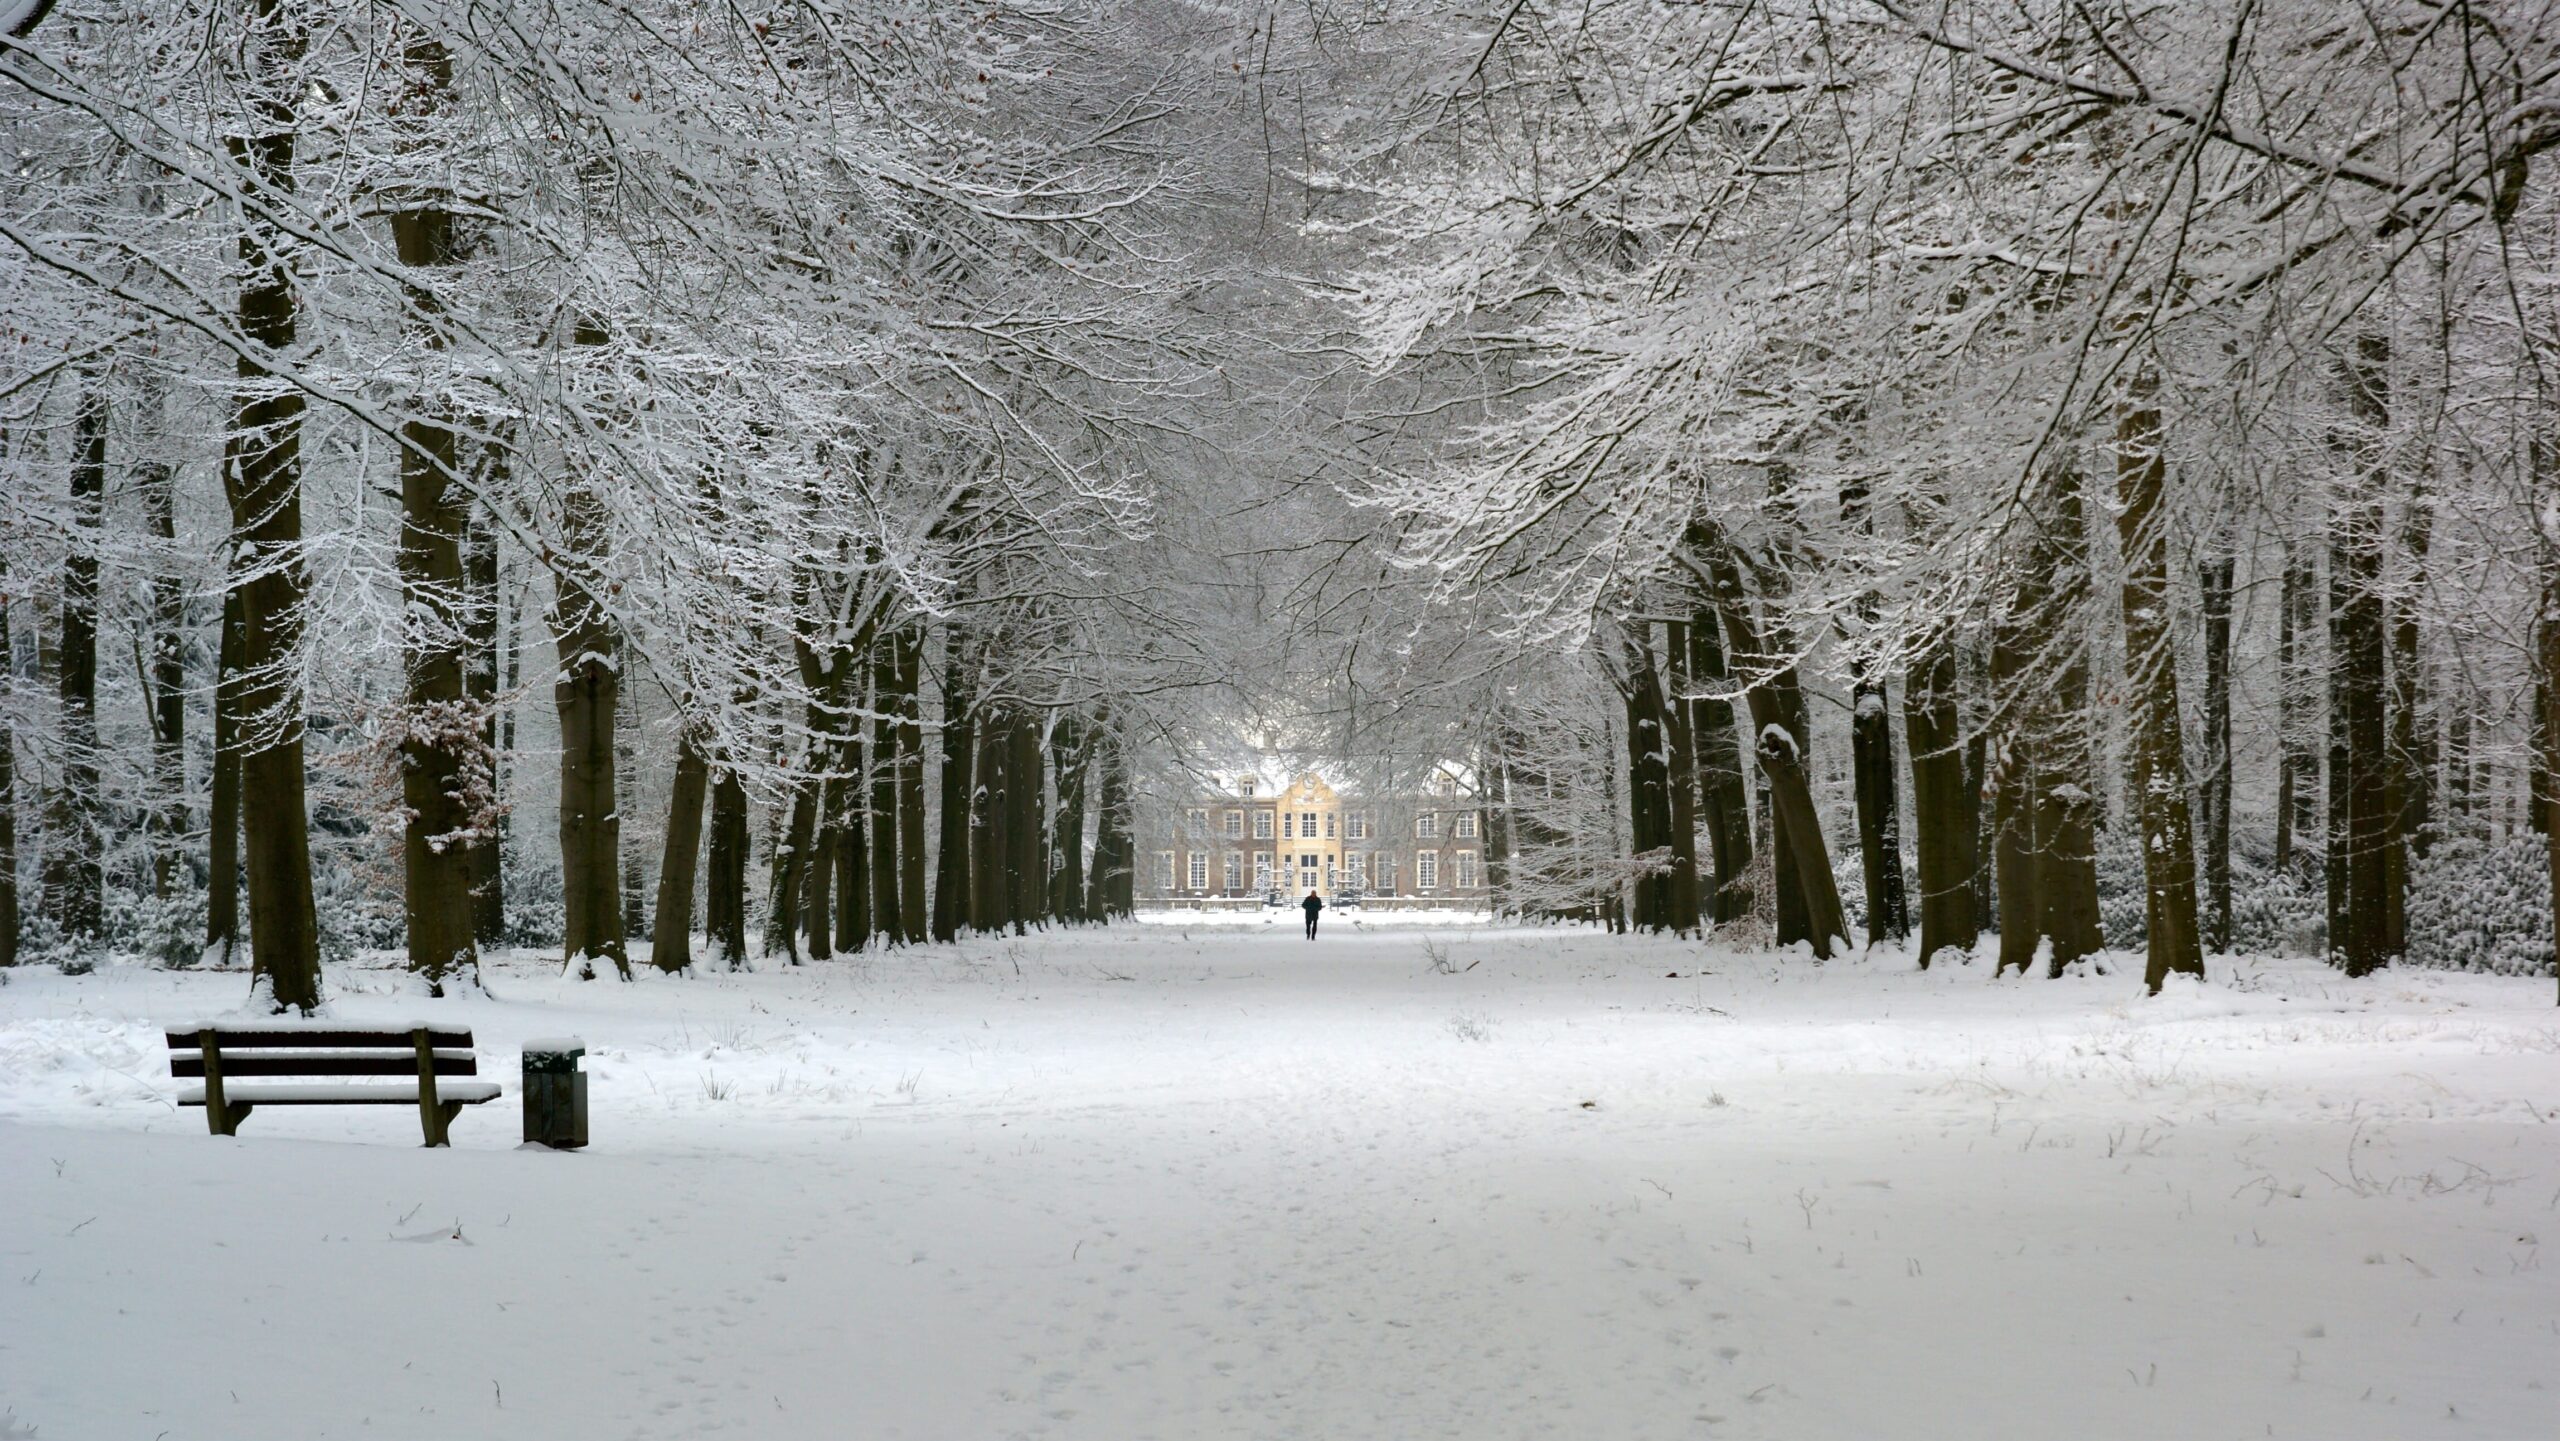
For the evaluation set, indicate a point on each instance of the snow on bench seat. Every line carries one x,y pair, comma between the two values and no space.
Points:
463,1093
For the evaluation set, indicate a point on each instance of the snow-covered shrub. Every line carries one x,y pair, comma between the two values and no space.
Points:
2121,884
162,931
537,913
2275,912
2478,905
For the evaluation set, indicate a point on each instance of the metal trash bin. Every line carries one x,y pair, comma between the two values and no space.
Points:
555,1093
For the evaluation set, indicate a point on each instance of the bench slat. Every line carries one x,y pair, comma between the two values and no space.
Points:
190,1065
255,1037
467,1093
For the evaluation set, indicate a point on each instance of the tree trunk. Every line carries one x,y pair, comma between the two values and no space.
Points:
817,881
908,737
9,918
167,678
480,690
2412,735
1879,812
222,804
1026,828
2066,799
1680,747
74,875
883,832
1724,790
951,882
437,729
671,929
2173,941
1649,776
1066,827
262,470
856,837
2043,813
790,871
2359,664
726,921
1945,806
990,886
587,690
2298,763
1113,887
1767,667
2214,579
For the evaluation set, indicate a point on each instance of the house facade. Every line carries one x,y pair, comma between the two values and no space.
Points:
1254,837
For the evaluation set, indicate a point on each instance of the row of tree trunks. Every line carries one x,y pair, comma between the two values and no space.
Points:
262,480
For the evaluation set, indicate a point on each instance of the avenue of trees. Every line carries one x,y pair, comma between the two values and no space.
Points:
2034,479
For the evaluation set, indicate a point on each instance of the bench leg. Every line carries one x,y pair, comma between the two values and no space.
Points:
226,1119
438,1121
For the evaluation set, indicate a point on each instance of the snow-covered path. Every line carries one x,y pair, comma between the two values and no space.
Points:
1222,1183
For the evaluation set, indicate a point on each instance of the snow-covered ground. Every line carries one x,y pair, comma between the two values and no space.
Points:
1204,1182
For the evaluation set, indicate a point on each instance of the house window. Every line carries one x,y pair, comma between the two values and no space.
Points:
1386,873
1426,870
1306,825
1466,870
1427,826
1356,825
1199,870
1356,869
1262,871
1262,825
1164,870
1464,827
1235,870
1245,786
1288,825
1307,870
1235,825
1328,825
1199,823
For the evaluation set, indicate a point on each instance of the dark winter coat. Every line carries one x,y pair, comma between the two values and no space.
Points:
1312,904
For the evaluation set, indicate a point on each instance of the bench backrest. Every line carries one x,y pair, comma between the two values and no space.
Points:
314,1051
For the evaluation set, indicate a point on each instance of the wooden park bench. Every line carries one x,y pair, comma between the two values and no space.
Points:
222,1056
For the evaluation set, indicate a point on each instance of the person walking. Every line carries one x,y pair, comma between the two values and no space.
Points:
1311,905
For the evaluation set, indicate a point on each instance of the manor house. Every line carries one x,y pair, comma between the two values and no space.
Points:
1258,836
